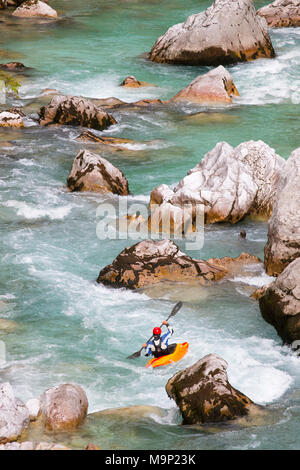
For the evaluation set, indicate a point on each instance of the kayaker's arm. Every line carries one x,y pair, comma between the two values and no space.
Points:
147,348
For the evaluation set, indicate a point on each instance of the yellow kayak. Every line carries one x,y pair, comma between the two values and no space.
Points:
180,351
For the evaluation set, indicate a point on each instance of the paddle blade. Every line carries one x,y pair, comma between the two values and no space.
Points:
175,309
136,354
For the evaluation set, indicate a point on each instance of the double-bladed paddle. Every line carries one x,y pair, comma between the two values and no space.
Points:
174,311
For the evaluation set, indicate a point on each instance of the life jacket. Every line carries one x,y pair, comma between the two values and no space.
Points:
158,351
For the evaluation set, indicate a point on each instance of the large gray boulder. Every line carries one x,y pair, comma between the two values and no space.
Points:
230,183
14,415
74,111
204,395
91,172
283,245
280,303
281,13
227,32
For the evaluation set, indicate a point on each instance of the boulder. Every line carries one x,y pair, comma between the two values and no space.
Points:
74,111
283,245
280,303
35,8
204,395
90,172
63,407
281,13
13,67
8,119
216,86
132,82
14,416
230,183
149,262
227,32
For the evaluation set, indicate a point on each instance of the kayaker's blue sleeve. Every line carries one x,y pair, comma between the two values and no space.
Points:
148,349
166,336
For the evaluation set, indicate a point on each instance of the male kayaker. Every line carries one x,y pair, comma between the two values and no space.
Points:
159,345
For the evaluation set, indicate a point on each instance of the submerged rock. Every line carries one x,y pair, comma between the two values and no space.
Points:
281,13
74,111
63,407
283,245
132,82
91,172
115,142
227,32
280,303
204,395
8,326
149,262
9,119
216,86
34,8
14,415
230,183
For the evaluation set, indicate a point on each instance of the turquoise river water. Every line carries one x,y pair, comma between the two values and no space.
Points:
68,328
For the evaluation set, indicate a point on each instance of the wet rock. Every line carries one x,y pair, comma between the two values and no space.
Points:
8,119
236,265
13,67
132,82
230,183
283,245
63,407
90,172
33,9
14,416
74,111
150,262
204,395
225,33
115,142
280,303
92,447
216,86
281,13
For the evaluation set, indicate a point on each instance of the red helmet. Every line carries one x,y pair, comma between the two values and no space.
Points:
156,331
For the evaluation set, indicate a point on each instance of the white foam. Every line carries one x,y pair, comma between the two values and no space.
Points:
30,212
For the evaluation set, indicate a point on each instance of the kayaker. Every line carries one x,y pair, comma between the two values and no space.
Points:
159,345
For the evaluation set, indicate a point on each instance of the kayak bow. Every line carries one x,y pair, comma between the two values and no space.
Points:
180,351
